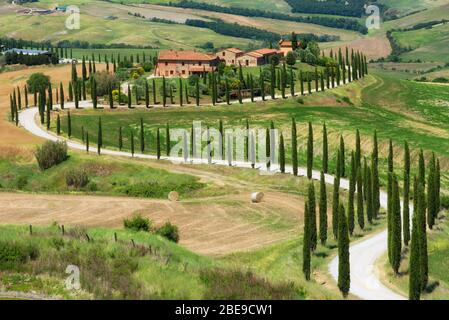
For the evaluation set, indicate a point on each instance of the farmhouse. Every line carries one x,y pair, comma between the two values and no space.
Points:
285,46
230,55
172,63
258,57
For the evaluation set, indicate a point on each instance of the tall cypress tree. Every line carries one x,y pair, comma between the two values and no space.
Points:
342,157
360,211
414,266
69,124
301,82
352,184
369,196
344,274
325,150
423,255
294,148
158,144
132,143
437,187
431,193
164,92
281,154
375,176
87,141
306,243
142,136
358,152
273,82
335,205
58,125
323,210
310,152
312,215
167,139
406,202
100,137
396,237
147,94
422,168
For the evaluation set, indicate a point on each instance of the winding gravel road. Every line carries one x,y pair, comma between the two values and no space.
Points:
365,282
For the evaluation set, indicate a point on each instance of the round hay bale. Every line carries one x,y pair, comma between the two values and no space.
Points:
173,196
256,197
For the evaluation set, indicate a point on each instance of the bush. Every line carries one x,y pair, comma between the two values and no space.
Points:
50,154
169,231
37,82
13,255
444,202
77,178
138,223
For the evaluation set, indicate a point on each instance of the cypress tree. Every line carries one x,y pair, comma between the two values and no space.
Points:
154,90
69,124
301,81
26,96
306,243
167,140
360,211
129,97
228,102
142,136
221,139
251,86
132,143
322,81
281,154
58,125
147,94
344,274
94,93
282,82
47,119
310,152
292,82
273,82
352,183
421,168
414,266
358,153
323,210
423,256
325,150
70,91
158,144
369,196
100,136
19,98
396,237
431,193
335,204
309,84
262,84
294,148
375,176
197,91
87,141
268,148
164,92
312,215
406,205
120,139
247,146
239,92
342,157
437,187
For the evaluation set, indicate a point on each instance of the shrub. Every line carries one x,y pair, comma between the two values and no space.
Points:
50,154
13,255
169,231
138,223
444,202
37,82
21,182
77,178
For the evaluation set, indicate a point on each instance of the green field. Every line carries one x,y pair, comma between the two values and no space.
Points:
427,44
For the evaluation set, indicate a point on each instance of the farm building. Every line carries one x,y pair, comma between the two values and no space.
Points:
230,55
172,63
285,46
258,57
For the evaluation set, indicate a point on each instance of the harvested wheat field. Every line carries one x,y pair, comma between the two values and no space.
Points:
219,227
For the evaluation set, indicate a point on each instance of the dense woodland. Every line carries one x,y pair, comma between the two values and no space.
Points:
352,8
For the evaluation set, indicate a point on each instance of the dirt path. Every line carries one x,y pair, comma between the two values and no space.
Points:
224,225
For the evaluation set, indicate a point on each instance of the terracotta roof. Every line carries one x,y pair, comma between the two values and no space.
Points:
234,50
265,51
253,54
173,55
285,43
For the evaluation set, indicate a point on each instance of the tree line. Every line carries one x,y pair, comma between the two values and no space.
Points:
340,23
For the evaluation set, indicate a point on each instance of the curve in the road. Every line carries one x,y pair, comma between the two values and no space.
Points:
365,282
